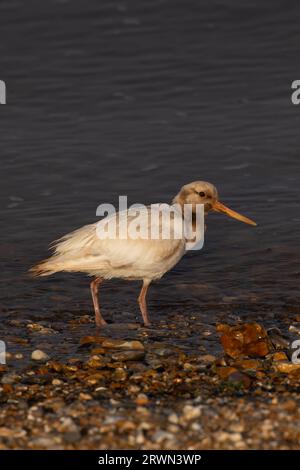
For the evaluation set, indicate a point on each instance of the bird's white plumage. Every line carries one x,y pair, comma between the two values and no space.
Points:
129,258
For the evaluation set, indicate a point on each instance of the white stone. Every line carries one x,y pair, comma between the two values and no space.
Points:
39,355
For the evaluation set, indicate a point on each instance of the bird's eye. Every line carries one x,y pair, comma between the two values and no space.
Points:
202,193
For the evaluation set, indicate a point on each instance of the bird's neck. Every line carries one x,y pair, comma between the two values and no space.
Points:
180,200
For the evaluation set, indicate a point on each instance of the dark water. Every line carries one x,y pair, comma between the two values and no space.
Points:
139,98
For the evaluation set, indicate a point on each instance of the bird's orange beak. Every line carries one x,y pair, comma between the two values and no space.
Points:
219,207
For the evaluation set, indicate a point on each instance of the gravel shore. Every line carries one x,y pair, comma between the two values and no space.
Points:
181,384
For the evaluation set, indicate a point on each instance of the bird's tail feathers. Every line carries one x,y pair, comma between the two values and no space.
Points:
45,268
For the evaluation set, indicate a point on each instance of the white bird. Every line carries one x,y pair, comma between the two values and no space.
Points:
133,258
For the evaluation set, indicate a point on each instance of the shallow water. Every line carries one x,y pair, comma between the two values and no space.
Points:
139,98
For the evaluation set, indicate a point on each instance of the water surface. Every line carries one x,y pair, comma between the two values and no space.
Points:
139,98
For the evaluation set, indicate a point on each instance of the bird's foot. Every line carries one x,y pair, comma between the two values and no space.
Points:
101,324
100,321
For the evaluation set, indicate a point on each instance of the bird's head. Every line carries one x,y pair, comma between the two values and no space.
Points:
202,192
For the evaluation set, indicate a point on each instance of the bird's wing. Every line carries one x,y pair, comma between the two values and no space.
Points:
75,242
90,243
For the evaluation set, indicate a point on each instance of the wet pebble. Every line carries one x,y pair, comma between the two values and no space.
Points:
120,344
68,427
39,355
173,418
294,329
10,378
190,412
287,367
56,382
278,340
248,339
207,358
278,356
120,374
142,399
128,356
163,436
85,396
38,328
96,361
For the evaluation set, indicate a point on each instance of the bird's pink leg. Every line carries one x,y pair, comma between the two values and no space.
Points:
143,303
94,290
